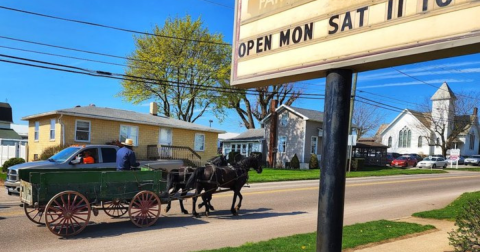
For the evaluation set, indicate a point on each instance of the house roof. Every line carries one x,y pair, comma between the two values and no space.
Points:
424,118
306,114
125,116
370,145
443,93
250,134
9,134
5,112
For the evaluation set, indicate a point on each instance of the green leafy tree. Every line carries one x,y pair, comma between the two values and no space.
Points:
180,68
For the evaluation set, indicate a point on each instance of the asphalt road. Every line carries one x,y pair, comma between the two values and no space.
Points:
269,210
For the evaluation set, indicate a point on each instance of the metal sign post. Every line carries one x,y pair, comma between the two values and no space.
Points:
332,179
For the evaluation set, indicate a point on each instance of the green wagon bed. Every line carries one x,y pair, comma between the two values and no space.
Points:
65,199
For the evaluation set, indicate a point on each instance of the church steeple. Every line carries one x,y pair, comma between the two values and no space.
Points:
443,108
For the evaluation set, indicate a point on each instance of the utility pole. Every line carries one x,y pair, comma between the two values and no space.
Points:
352,101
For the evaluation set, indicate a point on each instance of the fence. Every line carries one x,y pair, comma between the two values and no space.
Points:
12,151
174,152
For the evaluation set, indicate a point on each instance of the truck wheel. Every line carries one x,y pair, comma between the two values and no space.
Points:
434,166
67,213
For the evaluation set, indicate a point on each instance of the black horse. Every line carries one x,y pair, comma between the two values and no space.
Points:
177,178
212,177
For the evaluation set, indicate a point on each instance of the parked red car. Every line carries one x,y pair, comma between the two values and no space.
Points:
404,161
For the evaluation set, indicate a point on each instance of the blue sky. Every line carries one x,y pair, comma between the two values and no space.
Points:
31,90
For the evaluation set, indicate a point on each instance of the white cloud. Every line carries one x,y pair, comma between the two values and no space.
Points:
411,83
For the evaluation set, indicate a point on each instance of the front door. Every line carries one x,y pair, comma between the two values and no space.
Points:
164,141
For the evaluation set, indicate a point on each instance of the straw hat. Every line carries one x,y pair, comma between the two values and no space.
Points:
128,142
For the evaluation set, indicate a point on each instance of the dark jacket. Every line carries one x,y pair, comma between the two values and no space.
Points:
126,159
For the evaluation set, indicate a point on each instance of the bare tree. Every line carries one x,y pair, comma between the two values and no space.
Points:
366,118
240,101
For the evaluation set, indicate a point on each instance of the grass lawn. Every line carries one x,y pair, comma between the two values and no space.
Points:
449,212
270,175
3,176
353,236
465,169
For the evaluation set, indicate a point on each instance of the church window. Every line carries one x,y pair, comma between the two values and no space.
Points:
420,144
404,138
472,141
389,142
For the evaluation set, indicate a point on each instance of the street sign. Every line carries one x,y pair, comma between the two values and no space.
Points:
454,154
279,41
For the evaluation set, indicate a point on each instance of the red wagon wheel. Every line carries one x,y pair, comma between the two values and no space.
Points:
115,208
35,214
144,209
67,213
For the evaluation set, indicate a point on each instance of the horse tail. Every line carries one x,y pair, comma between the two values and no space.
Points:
193,178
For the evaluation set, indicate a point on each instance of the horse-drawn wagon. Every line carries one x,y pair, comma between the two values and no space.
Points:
65,200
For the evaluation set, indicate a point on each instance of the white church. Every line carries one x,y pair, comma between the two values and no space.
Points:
421,133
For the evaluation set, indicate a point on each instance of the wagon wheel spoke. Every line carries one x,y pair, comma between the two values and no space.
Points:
67,213
144,209
115,208
34,214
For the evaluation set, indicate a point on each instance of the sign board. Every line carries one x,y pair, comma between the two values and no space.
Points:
454,154
279,41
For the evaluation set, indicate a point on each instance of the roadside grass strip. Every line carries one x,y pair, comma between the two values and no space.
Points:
272,175
353,236
3,176
465,169
451,211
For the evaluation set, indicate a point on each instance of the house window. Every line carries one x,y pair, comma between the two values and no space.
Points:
37,129
52,129
131,132
282,144
234,147
244,149
199,144
284,119
389,142
472,141
420,144
249,149
82,131
314,145
404,138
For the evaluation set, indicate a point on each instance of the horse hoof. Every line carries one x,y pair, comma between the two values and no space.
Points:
206,214
196,215
211,208
235,214
185,212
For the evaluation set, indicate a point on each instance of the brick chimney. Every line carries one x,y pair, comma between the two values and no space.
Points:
153,108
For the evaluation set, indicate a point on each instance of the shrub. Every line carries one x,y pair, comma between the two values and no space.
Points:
295,163
466,237
313,163
12,162
50,151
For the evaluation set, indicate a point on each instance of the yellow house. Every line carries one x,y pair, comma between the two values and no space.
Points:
96,125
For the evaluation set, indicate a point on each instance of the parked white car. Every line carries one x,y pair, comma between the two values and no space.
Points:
432,162
473,160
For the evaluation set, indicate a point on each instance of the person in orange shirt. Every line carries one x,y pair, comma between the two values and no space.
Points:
88,159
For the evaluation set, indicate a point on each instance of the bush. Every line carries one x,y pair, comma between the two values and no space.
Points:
358,164
50,151
466,237
295,163
313,163
12,162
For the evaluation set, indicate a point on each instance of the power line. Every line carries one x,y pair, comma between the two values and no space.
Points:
219,4
137,78
110,27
